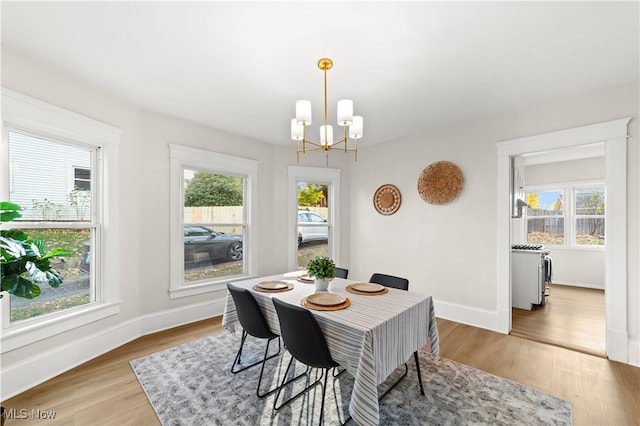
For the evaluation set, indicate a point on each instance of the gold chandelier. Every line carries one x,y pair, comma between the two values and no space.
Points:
352,124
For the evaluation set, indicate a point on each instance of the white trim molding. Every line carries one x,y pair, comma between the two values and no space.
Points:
184,156
23,112
614,136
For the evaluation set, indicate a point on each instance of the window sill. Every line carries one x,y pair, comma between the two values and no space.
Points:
30,331
207,287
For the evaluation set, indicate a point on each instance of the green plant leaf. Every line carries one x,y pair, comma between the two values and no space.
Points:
56,252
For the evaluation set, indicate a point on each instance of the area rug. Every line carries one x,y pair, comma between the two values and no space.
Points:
192,385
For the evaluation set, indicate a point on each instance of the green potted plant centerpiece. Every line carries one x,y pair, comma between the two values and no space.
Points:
322,269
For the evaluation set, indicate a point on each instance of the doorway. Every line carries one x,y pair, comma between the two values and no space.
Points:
614,135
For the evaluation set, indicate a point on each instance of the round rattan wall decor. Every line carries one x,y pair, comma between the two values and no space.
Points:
440,182
387,199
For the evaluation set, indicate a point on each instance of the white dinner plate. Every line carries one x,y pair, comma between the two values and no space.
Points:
326,299
273,285
367,287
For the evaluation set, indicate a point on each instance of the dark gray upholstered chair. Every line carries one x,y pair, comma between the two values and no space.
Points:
305,341
401,284
341,273
253,323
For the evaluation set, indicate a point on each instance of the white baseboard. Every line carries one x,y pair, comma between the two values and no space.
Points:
25,374
482,318
575,284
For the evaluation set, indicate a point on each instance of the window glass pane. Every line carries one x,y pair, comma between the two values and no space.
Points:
74,269
82,179
313,222
42,176
545,217
214,225
590,210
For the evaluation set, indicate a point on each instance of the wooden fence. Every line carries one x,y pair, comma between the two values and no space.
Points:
229,215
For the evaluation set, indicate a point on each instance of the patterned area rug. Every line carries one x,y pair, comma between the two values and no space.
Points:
192,385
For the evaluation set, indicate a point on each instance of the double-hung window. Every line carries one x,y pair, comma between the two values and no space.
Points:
213,236
571,215
314,219
62,170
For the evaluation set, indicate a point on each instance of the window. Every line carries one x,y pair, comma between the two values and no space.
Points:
214,225
589,216
581,205
213,200
314,219
545,217
313,223
81,179
44,146
52,213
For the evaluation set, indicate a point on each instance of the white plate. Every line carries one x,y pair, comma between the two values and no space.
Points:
326,299
368,287
273,285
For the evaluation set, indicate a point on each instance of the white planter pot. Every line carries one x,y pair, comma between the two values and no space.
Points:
322,284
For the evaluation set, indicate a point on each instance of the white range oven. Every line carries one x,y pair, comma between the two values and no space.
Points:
528,275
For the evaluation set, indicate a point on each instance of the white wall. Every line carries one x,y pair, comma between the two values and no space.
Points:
448,251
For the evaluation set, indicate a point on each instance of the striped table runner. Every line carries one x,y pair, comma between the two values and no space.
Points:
370,338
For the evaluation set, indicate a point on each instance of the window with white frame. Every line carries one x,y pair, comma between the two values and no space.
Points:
212,219
314,206
44,145
571,215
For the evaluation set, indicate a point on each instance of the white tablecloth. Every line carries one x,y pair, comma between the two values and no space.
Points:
370,338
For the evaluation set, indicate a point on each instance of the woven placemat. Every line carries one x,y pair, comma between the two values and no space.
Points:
440,182
365,293
387,199
256,287
304,302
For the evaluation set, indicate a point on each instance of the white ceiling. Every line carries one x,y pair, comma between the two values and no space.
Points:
409,67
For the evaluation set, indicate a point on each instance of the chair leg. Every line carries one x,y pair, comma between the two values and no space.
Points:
266,351
239,354
415,355
324,391
302,392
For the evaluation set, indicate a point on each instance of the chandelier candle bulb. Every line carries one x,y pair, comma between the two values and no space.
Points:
356,128
296,130
345,112
303,112
326,135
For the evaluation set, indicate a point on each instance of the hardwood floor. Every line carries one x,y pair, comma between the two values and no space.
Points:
105,391
573,318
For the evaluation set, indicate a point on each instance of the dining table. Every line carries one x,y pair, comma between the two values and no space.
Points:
370,337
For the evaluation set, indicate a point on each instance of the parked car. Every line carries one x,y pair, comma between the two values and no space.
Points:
216,245
197,239
311,233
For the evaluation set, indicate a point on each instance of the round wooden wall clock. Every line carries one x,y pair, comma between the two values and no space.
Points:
387,199
440,182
